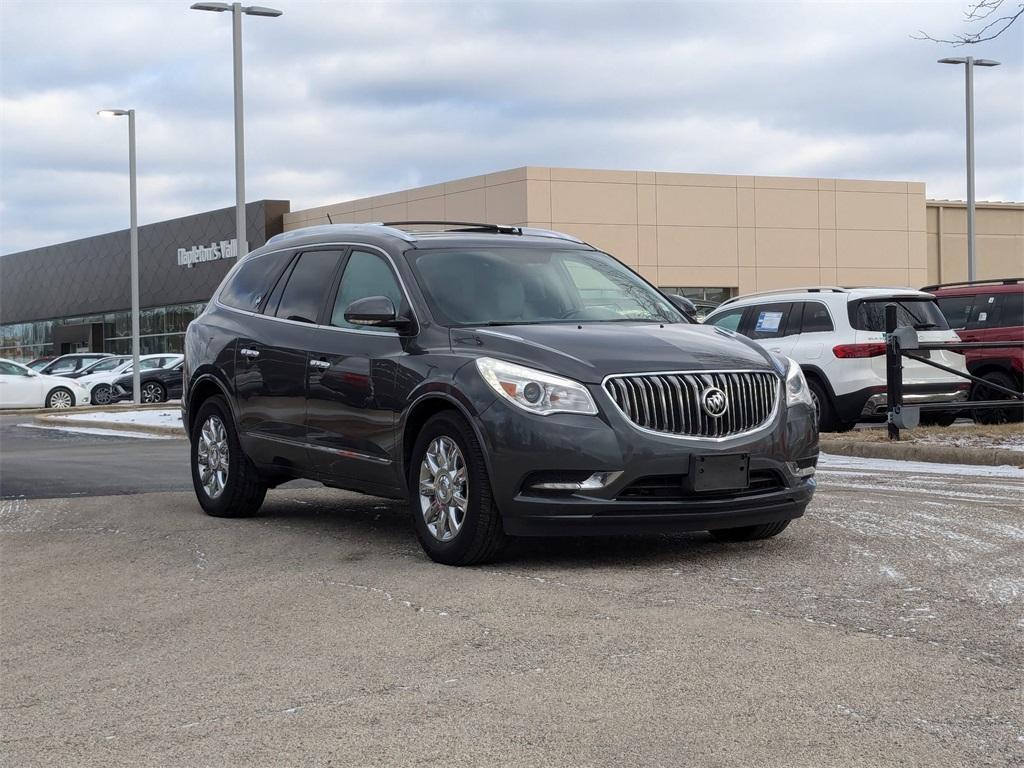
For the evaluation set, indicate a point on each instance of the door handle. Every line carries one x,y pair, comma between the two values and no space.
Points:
251,353
321,364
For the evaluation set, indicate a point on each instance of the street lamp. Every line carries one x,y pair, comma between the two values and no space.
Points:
970,63
237,9
134,239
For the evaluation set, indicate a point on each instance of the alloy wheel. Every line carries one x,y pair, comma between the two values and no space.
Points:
212,456
151,393
443,489
61,399
101,395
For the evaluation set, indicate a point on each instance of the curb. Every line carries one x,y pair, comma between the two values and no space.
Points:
114,426
941,454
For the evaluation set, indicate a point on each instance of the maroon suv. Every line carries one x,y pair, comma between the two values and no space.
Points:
988,310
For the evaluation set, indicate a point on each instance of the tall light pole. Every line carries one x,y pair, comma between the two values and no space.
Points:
970,63
237,9
134,242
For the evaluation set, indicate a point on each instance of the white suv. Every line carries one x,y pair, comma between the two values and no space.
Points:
837,335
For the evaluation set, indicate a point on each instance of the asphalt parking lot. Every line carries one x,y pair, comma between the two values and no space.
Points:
884,628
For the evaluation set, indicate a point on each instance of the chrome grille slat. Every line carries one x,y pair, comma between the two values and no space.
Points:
670,403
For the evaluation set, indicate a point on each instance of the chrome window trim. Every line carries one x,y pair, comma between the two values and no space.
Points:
756,430
394,268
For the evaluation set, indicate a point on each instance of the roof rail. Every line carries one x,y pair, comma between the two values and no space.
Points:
340,230
459,226
801,289
993,281
498,229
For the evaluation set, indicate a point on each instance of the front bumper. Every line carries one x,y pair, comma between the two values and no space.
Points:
646,490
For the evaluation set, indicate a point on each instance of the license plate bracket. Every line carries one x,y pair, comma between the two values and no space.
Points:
728,472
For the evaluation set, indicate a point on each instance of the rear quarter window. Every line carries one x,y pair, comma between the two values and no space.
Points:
248,285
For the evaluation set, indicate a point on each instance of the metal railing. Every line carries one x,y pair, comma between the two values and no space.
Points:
902,342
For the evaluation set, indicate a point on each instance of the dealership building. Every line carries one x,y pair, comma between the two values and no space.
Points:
706,236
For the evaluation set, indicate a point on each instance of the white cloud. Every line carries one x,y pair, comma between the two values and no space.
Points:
351,99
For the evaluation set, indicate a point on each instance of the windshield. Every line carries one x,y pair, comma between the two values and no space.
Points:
107,364
514,286
921,314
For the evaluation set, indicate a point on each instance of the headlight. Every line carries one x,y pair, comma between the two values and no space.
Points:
797,390
535,391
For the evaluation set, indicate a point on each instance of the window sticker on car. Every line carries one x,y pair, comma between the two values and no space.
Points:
768,321
982,317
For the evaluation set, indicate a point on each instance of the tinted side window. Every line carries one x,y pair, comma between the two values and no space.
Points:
983,314
729,320
1011,310
922,314
307,287
252,281
816,318
366,274
956,309
769,321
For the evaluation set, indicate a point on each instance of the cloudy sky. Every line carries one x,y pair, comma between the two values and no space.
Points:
350,99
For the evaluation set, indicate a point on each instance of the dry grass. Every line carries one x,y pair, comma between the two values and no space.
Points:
990,435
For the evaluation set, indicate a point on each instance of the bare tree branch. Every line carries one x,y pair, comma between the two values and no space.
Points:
980,11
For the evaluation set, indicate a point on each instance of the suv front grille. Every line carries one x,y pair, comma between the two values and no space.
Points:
673,402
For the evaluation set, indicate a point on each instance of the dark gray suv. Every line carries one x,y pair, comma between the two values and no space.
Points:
506,381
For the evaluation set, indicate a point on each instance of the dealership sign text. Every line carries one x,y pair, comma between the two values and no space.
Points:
197,254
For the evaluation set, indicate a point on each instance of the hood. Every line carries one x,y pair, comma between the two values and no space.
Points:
591,351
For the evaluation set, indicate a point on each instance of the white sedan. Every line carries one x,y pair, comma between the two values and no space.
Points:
21,387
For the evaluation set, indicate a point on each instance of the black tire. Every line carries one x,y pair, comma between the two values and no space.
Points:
996,415
102,392
481,536
57,395
750,532
827,419
938,419
152,392
244,489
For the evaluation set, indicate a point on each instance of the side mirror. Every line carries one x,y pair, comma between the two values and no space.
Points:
684,305
378,311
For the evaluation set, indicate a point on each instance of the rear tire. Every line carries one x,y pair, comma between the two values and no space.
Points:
750,532
241,491
153,392
452,477
996,415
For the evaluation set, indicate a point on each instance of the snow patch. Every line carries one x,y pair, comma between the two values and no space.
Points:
828,462
163,417
102,432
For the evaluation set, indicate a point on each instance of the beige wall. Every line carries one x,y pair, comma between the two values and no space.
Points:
693,230
998,238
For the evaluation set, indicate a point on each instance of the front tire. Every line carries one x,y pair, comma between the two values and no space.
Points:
750,532
60,399
226,482
102,394
453,511
823,407
153,392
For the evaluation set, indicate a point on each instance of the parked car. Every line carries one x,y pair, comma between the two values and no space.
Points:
505,381
21,387
837,335
156,385
696,310
101,377
989,311
66,365
41,362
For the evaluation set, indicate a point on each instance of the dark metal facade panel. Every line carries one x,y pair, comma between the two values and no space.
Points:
92,275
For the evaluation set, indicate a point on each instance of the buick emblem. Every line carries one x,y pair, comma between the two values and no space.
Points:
714,402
